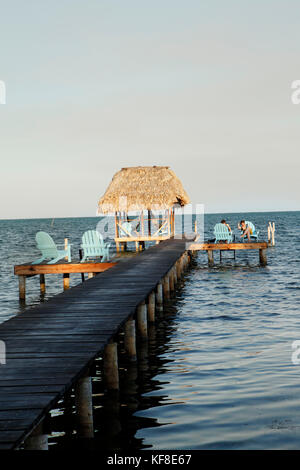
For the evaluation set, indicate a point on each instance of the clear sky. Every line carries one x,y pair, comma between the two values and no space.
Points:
201,86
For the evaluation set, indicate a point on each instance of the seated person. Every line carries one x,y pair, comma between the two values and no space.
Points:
227,225
246,230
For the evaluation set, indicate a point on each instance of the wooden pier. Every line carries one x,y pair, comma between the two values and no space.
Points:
211,247
50,348
28,270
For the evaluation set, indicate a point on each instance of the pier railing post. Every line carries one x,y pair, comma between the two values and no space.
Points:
110,366
84,406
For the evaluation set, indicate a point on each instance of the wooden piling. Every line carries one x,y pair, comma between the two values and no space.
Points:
210,255
263,257
38,439
22,287
171,280
174,275
84,406
66,280
151,307
159,300
42,284
178,269
110,366
130,339
142,320
166,287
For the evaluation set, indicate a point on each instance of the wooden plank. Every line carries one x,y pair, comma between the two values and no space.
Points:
142,238
61,268
227,246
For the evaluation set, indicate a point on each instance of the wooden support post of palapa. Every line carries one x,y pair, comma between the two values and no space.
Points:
84,406
110,366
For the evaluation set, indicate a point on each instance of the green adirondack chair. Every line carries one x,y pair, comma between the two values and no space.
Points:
254,231
93,246
222,233
49,249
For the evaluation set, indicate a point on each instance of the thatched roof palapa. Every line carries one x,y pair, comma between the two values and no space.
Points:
143,188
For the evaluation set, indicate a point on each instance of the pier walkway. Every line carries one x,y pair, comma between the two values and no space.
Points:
51,346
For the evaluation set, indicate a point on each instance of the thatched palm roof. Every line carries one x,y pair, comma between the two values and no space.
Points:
143,187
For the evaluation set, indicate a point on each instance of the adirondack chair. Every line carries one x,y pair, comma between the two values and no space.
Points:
94,246
49,249
126,229
254,231
222,233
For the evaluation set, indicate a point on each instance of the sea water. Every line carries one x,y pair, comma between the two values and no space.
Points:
217,372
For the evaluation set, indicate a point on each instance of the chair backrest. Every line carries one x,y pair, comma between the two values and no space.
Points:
46,244
251,225
127,228
221,232
92,243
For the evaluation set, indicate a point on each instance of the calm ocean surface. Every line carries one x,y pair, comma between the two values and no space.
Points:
218,372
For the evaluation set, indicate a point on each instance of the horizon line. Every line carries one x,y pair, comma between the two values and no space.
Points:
97,216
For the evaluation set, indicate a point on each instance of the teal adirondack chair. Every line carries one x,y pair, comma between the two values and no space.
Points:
49,249
126,229
254,231
93,246
222,233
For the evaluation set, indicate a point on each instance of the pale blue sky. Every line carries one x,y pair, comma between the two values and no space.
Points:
203,87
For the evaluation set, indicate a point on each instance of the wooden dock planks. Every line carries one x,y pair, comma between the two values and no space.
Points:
50,346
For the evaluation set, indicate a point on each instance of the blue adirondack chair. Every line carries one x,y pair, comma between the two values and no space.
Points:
222,233
49,249
254,231
93,246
